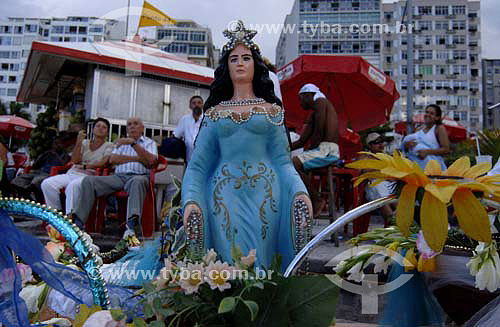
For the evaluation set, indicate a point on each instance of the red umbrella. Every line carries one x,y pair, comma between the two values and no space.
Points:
17,127
456,132
363,96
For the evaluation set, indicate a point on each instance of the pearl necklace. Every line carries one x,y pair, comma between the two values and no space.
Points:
243,117
242,102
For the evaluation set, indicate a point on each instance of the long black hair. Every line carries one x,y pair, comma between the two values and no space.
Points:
439,113
222,89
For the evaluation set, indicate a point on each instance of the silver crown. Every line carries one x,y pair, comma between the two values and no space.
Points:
240,35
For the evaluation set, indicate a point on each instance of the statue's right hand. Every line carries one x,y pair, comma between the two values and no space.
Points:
188,210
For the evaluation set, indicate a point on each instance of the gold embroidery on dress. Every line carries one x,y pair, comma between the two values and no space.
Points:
271,114
263,173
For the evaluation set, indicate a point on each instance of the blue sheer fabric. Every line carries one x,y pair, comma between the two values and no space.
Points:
242,177
69,282
411,305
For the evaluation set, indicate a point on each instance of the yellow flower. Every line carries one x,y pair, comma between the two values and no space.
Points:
412,260
455,185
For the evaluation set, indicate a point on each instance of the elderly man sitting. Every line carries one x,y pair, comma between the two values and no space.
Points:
132,158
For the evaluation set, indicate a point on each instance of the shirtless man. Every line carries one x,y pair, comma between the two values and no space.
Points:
322,130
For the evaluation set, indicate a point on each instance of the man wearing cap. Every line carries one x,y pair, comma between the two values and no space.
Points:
376,144
321,130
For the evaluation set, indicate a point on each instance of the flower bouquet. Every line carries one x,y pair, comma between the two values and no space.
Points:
215,293
438,211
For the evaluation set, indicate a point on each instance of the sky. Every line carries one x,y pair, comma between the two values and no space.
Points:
217,14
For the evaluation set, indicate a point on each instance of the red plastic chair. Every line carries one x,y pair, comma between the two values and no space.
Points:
20,160
149,215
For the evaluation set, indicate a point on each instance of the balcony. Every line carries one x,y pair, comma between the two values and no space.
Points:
473,29
451,32
418,61
418,91
473,44
417,17
418,46
419,76
451,61
451,91
451,46
451,76
451,16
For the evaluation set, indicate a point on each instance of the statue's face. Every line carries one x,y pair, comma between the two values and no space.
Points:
241,64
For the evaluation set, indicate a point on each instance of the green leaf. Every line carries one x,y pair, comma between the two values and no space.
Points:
312,301
157,304
166,312
138,322
157,324
117,314
258,285
149,288
253,307
148,310
227,304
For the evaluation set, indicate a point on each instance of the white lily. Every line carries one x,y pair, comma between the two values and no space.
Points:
485,266
356,272
211,256
30,294
382,264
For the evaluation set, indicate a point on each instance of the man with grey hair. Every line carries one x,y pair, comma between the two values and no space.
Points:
133,157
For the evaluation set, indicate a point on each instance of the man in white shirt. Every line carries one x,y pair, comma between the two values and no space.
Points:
189,125
133,157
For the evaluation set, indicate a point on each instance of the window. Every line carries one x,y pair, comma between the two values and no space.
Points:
388,44
3,91
11,92
442,70
404,55
460,69
5,66
425,25
96,29
425,10
12,79
388,72
97,38
6,29
176,48
197,50
458,39
426,84
180,35
458,10
404,84
425,70
2,78
18,30
458,24
198,36
5,40
388,59
15,54
427,40
473,102
442,55
82,29
404,70
14,67
4,54
441,39
17,40
441,10
459,54
442,85
441,25
463,115
164,34
425,54
30,28
25,53
57,29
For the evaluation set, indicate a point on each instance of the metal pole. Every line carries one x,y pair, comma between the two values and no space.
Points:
126,28
410,70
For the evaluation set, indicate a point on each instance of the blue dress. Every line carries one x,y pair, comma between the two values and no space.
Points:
242,177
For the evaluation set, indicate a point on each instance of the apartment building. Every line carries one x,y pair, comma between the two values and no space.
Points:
491,93
447,39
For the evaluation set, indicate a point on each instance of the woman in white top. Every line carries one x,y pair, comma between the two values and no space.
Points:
87,156
429,143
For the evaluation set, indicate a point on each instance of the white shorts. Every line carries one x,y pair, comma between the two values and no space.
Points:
325,154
